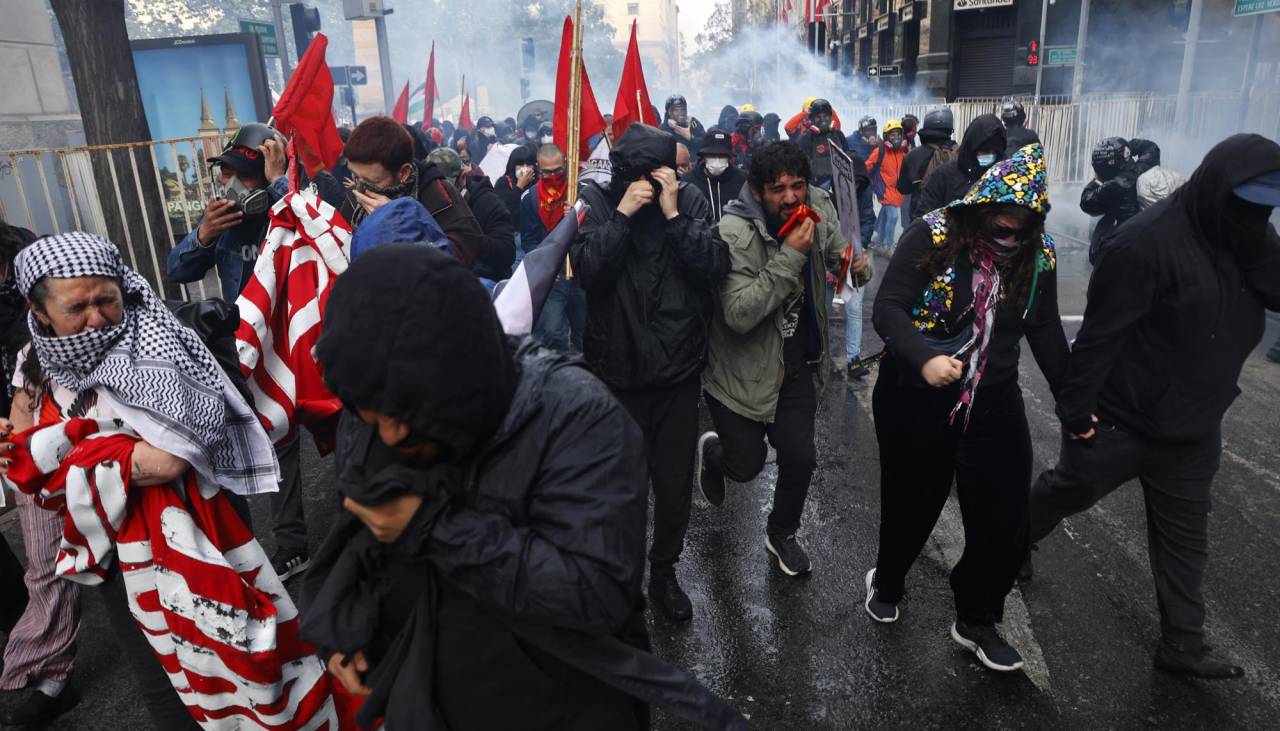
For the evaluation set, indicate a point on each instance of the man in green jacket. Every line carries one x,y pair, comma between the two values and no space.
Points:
768,341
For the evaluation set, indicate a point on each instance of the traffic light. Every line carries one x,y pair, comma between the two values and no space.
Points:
306,23
1033,53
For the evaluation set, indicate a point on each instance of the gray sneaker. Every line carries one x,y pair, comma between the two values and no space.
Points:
880,610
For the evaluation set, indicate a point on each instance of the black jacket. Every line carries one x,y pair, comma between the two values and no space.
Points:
818,149
903,287
720,191
442,201
1018,138
1116,201
498,246
914,169
950,182
1176,305
650,282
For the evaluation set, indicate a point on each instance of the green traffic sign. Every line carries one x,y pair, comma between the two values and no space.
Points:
1061,56
266,35
1253,7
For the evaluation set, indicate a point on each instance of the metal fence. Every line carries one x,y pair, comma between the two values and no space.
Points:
146,196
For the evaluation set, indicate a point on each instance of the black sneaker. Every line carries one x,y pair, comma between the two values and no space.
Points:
1201,664
709,480
669,598
37,708
790,554
856,371
986,643
289,564
880,610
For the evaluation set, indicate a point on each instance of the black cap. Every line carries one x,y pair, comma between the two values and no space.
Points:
716,142
241,159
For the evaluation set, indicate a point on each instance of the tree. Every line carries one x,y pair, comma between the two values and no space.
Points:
111,109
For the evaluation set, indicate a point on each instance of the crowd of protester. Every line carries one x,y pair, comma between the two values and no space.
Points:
487,570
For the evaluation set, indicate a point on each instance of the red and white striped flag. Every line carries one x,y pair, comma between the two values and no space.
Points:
280,314
199,585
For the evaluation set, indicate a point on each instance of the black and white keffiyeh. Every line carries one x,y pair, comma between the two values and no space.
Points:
155,372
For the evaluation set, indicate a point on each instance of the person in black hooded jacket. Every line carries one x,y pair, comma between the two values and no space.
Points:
715,175
521,174
983,145
485,572
650,263
938,149
1175,307
498,246
1112,194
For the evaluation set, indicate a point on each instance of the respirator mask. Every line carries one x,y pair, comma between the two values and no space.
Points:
251,201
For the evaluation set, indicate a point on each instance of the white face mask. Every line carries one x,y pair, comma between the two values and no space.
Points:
548,139
486,131
523,170
986,161
716,166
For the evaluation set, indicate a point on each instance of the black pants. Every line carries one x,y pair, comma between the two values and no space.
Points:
1176,478
742,452
287,519
669,419
13,590
990,461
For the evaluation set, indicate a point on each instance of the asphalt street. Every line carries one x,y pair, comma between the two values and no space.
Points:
802,653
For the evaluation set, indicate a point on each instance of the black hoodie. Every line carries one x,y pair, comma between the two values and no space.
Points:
718,191
1176,304
650,281
950,181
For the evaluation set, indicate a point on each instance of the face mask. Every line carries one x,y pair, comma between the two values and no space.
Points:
681,119
716,166
253,201
547,139
823,123
523,170
486,131
986,161
894,139
554,181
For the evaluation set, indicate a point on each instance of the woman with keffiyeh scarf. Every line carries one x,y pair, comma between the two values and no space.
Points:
965,284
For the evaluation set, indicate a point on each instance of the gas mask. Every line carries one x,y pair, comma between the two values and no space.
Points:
822,122
252,201
680,117
716,166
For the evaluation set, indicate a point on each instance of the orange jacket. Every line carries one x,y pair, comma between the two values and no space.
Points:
889,171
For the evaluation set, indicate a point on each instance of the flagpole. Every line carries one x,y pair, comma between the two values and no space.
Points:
574,153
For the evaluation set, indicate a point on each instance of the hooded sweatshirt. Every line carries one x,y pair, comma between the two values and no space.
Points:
916,312
951,181
1176,304
719,191
650,282
916,167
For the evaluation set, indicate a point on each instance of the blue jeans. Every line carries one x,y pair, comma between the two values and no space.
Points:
563,316
887,225
853,325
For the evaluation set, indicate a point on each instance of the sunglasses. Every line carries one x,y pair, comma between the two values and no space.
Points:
553,171
1006,232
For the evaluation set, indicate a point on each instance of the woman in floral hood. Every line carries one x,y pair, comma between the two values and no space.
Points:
965,284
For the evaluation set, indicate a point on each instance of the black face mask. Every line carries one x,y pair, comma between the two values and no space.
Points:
1244,221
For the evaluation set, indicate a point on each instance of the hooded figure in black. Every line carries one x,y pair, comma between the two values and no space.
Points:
938,149
1112,194
486,572
715,175
1175,307
650,263
983,145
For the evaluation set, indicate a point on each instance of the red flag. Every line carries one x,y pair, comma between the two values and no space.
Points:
401,111
305,111
632,92
591,122
430,92
464,118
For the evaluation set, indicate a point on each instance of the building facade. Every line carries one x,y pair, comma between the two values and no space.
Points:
657,33
954,49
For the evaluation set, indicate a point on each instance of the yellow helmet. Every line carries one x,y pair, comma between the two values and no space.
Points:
891,125
747,108
809,101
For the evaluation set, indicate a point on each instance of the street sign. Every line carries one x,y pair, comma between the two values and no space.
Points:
980,4
885,71
1060,55
873,72
266,35
349,75
1253,7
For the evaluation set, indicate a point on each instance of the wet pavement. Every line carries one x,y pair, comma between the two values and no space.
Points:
802,653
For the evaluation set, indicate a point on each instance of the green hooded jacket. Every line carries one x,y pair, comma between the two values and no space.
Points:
745,366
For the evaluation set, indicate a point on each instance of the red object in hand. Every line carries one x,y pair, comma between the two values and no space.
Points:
802,212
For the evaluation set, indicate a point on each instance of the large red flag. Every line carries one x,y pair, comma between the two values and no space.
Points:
464,117
632,104
305,111
401,111
430,92
591,122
